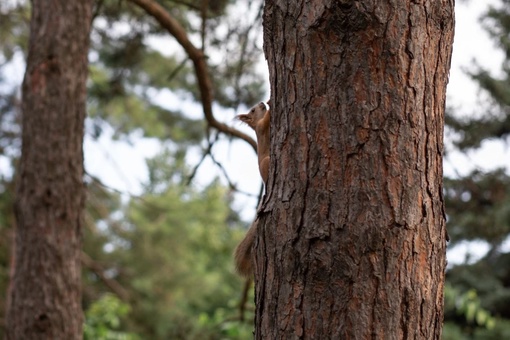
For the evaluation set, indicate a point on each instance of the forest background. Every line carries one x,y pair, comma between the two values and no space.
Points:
168,198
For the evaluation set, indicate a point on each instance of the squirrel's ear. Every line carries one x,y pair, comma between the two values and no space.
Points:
243,118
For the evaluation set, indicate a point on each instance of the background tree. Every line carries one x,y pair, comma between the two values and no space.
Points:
353,238
45,292
478,202
170,260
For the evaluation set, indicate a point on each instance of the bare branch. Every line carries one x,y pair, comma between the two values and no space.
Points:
231,185
176,70
205,5
197,56
112,284
204,156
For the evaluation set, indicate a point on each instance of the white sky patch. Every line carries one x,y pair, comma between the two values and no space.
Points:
117,164
5,167
471,43
467,252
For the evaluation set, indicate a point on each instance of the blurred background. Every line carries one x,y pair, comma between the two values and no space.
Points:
169,198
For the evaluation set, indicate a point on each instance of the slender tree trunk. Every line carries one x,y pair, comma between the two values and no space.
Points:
352,237
46,291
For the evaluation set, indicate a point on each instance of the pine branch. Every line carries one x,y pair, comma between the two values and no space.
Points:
169,23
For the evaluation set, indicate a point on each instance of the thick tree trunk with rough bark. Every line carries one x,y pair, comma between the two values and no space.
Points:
45,294
352,237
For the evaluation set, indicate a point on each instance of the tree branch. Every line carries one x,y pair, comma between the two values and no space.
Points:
168,22
231,185
114,286
244,299
203,10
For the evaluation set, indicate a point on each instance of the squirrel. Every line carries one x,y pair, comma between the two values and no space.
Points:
258,118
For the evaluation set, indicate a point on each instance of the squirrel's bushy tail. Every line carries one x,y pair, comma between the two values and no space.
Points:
243,252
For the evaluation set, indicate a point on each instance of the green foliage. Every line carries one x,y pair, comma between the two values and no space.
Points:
494,289
501,330
179,231
468,306
11,21
126,111
221,326
171,250
119,94
451,331
469,320
103,320
14,22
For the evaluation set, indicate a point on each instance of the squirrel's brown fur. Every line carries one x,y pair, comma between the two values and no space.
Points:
242,254
258,119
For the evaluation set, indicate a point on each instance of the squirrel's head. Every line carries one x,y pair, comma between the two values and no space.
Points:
254,116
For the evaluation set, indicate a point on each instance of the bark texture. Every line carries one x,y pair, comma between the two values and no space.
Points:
46,287
352,235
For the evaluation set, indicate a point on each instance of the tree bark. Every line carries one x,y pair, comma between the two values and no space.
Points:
46,287
352,235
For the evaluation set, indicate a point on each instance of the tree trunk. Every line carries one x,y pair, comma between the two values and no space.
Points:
352,236
46,288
